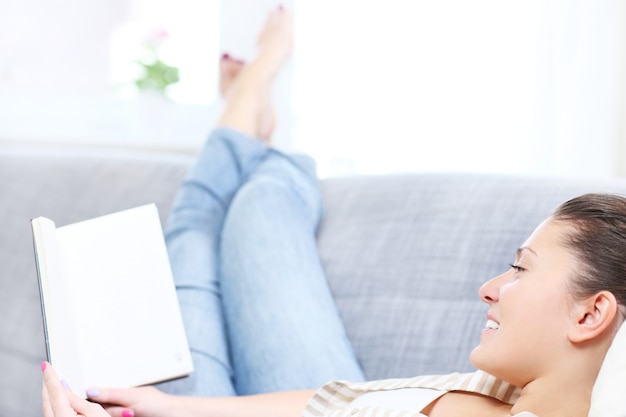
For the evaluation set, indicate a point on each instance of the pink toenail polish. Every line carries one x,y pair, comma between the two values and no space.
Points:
225,56
128,413
44,365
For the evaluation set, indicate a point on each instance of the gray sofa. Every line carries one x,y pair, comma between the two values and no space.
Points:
404,254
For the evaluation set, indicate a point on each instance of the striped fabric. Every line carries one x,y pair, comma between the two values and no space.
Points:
334,398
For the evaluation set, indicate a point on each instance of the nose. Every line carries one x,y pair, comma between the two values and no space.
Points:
489,292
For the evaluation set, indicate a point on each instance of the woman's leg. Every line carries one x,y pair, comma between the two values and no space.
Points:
195,223
283,325
290,348
192,238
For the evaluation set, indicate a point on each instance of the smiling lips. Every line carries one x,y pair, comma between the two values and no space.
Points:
492,325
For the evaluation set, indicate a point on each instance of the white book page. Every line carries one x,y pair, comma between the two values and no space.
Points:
57,310
128,327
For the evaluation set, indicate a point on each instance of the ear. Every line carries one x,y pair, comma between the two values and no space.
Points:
593,315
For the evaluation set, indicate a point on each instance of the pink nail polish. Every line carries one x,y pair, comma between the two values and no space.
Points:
225,56
44,365
128,413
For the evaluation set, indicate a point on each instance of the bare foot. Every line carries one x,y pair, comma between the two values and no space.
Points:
247,87
275,41
229,70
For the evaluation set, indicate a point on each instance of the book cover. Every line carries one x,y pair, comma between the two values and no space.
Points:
110,311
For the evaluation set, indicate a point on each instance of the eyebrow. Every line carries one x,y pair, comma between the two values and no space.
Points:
523,248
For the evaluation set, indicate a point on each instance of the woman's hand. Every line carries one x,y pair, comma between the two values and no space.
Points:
58,401
137,402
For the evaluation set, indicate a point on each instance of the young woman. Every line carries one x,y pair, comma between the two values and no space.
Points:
242,233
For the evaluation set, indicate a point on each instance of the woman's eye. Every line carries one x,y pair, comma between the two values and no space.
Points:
517,268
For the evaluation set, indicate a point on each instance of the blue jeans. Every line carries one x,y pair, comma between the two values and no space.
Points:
258,312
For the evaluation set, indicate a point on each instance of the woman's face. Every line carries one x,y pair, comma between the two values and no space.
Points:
529,309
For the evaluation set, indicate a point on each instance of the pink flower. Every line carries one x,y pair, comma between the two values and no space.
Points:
157,37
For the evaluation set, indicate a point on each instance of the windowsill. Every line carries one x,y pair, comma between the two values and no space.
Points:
146,121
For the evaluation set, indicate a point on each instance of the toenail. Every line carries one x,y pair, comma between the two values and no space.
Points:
225,56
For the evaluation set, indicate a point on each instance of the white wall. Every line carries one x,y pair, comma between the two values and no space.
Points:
57,46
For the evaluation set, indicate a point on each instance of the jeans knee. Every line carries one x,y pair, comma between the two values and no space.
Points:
278,196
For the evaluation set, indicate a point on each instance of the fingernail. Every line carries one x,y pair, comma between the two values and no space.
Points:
44,365
128,413
93,392
65,384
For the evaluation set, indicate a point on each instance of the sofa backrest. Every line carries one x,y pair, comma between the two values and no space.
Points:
405,256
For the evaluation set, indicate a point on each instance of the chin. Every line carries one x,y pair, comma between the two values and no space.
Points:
482,359
487,362
475,357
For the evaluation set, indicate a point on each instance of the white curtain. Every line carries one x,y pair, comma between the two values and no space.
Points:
519,87
580,91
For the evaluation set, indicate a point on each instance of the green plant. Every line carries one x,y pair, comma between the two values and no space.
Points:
157,75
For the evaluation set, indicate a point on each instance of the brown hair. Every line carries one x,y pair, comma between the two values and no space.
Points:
598,239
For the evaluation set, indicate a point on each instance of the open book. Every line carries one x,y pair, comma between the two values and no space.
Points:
110,311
